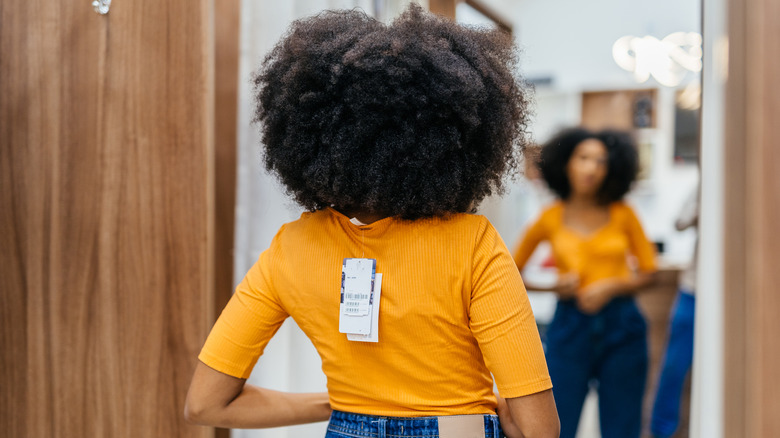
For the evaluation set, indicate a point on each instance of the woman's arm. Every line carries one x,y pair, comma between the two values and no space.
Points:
596,295
527,244
220,400
530,416
565,286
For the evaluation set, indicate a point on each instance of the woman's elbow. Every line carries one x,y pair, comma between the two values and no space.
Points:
196,412
209,395
192,414
535,415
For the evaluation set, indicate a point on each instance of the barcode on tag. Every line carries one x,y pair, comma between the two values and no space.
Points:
357,279
357,283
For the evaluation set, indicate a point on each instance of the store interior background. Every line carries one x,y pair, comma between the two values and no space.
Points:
567,52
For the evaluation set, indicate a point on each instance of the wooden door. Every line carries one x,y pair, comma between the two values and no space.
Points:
106,215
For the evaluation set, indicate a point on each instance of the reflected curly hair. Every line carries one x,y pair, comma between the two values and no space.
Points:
419,118
622,162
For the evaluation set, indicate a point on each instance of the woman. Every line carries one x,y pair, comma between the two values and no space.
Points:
597,333
389,136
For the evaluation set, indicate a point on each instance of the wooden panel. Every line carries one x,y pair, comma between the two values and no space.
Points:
502,22
752,244
443,7
226,144
615,109
226,40
734,245
106,204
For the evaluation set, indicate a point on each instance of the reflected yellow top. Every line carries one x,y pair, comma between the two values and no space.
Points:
453,310
599,255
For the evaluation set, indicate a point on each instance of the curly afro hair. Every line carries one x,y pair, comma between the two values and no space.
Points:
419,118
622,165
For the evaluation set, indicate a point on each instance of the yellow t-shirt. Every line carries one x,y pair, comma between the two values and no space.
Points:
597,256
453,309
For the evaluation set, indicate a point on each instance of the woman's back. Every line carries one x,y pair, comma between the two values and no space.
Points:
453,309
416,121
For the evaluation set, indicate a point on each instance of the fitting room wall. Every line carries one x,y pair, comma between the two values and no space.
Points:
752,211
106,215
226,41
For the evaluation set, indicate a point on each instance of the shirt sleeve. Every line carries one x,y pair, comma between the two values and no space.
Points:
250,319
525,247
501,319
639,245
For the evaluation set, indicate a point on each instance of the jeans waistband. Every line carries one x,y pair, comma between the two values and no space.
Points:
371,426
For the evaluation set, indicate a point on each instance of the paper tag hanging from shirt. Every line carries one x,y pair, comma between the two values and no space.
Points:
357,285
375,301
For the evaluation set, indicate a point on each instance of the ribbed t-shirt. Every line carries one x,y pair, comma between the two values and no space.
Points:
601,254
453,310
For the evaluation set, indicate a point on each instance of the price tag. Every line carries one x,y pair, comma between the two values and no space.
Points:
357,286
374,335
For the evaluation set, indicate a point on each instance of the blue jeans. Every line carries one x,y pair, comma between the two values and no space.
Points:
608,349
348,425
676,364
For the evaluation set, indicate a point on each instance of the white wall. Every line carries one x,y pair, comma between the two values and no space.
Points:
572,39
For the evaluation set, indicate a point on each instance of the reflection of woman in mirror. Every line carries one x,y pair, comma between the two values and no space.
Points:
389,136
597,333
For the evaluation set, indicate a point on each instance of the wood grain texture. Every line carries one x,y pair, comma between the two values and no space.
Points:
226,77
502,22
444,8
734,245
106,130
752,244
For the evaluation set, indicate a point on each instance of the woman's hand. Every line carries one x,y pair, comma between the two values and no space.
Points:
567,286
595,296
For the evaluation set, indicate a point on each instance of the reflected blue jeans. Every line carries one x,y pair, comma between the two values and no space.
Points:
608,350
676,364
348,425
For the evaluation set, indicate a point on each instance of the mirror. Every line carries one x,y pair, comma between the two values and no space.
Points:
628,66
620,64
